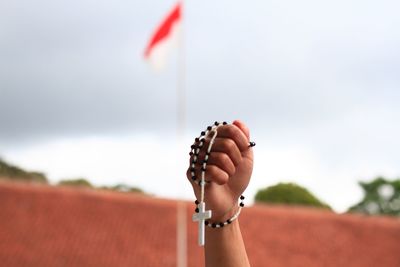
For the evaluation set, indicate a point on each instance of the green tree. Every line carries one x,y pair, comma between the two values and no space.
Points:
123,188
11,172
79,182
381,197
289,194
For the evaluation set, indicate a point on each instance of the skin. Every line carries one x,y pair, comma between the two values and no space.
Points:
228,171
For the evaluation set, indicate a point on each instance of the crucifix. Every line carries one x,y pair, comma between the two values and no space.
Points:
200,217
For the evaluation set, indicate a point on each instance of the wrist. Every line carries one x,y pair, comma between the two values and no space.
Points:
231,229
224,216
230,212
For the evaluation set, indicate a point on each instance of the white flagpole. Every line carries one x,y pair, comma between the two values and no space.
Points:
181,94
181,227
181,252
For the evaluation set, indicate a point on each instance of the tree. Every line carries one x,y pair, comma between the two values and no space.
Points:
381,197
123,188
79,182
82,182
289,194
11,172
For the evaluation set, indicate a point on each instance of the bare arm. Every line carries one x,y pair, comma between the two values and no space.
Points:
229,170
225,247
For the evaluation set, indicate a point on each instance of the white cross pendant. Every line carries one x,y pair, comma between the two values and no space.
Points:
200,217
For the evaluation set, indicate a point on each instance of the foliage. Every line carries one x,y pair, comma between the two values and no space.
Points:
123,188
11,172
79,182
381,197
289,194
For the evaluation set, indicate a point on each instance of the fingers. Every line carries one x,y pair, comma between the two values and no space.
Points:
213,173
226,154
220,160
222,148
236,134
217,175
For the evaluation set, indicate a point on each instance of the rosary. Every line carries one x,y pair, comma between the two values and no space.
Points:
201,214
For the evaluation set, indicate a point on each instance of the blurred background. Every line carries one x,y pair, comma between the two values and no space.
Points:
316,82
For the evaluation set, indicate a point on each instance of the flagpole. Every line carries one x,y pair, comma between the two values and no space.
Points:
181,251
181,230
181,92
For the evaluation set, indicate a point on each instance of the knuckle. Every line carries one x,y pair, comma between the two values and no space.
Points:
188,174
230,130
225,160
234,132
229,145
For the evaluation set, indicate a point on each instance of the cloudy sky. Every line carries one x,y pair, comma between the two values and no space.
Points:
317,82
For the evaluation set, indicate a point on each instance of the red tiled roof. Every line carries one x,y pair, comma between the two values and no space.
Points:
48,226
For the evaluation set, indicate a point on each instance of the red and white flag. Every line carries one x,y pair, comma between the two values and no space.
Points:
165,38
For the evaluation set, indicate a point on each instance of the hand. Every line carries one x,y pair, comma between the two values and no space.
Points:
228,171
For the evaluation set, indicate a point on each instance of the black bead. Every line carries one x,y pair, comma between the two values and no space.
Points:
208,153
229,221
241,197
205,161
213,225
216,123
193,146
251,144
203,133
209,128
196,202
190,153
194,178
224,123
203,168
206,222
192,169
196,139
241,204
197,210
221,224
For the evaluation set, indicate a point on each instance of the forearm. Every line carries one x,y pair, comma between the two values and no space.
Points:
225,247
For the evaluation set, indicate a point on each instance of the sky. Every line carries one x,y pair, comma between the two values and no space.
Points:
317,83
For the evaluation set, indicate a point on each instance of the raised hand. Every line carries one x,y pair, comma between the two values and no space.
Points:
228,172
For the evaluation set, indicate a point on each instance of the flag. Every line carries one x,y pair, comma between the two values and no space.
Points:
165,38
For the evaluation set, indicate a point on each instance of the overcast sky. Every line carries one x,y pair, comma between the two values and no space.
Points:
317,82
